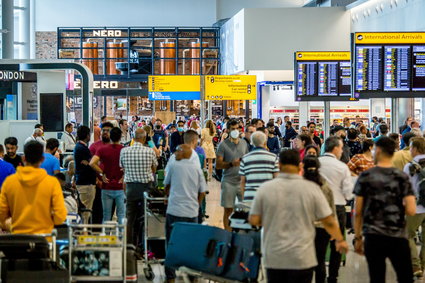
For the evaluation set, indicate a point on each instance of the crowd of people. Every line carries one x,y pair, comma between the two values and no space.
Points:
296,183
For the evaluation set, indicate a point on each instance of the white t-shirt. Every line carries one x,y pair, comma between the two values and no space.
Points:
288,206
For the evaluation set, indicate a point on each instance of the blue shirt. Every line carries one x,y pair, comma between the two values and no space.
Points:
50,164
6,169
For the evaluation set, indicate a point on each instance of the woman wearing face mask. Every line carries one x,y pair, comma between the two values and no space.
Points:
311,172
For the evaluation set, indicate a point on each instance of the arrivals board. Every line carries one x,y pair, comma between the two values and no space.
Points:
323,76
389,65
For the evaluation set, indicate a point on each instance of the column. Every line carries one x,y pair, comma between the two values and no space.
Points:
405,108
8,25
304,113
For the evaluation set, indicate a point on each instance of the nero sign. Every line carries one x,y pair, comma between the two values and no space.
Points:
107,33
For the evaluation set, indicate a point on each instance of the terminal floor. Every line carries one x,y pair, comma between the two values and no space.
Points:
355,270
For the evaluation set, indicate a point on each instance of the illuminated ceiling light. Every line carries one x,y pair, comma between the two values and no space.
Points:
382,7
377,9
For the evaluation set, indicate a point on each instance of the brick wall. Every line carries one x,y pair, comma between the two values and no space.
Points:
46,45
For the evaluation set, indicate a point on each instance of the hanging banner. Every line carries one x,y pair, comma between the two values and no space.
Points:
174,87
230,87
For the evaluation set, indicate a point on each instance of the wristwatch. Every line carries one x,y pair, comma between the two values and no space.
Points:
231,164
101,174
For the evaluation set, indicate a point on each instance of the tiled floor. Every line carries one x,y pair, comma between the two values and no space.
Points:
355,270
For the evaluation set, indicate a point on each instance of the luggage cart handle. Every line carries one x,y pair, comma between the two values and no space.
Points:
147,197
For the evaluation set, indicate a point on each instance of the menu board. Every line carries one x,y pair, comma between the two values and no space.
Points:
322,76
389,65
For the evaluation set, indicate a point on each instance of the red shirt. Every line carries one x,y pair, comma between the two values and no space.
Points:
109,155
95,147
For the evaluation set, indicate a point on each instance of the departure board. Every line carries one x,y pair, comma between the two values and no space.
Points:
389,65
307,84
344,83
418,82
323,76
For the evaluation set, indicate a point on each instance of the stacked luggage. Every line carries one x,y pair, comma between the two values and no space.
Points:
214,251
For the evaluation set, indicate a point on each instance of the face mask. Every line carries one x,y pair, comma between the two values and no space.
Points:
234,134
180,129
158,127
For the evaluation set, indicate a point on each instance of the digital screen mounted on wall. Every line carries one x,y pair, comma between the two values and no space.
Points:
390,64
323,76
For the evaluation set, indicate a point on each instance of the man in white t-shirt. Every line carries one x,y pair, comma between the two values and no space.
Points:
287,207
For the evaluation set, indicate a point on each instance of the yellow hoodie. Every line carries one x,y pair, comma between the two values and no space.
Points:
34,200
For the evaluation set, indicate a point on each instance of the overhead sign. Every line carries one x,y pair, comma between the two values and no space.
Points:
230,87
323,56
390,38
98,84
174,87
107,33
17,76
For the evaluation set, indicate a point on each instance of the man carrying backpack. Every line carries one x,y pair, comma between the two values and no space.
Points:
416,172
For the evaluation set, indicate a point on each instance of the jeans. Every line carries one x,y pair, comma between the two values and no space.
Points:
108,197
87,194
413,223
289,276
135,213
170,273
321,243
335,257
377,248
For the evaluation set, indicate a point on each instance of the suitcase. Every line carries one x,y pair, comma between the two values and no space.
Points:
255,259
238,259
18,246
200,247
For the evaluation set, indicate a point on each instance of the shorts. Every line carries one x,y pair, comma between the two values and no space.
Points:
229,192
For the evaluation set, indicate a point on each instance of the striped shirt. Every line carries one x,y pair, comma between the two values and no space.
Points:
257,167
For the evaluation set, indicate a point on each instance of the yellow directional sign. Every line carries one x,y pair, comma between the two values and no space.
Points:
390,38
323,56
174,87
230,87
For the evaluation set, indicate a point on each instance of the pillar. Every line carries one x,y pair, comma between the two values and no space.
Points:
8,25
304,113
404,109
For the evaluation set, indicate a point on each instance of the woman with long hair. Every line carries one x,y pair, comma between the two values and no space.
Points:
302,142
149,141
194,125
311,172
207,135
362,161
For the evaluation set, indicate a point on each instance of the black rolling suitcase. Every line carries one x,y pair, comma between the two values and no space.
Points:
26,258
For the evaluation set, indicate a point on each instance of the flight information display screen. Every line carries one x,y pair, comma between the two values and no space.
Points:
323,76
389,65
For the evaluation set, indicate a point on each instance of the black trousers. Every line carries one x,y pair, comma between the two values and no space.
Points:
335,257
377,248
321,243
97,210
289,276
135,213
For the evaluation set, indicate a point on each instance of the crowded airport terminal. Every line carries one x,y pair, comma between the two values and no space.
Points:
229,141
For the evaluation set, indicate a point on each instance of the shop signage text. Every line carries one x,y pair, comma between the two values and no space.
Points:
17,76
98,84
107,33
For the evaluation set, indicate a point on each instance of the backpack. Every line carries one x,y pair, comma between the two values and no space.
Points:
418,168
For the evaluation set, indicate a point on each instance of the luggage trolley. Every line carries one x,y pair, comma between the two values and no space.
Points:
154,233
97,252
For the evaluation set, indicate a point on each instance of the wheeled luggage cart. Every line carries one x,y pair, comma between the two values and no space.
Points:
154,233
97,252
187,273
